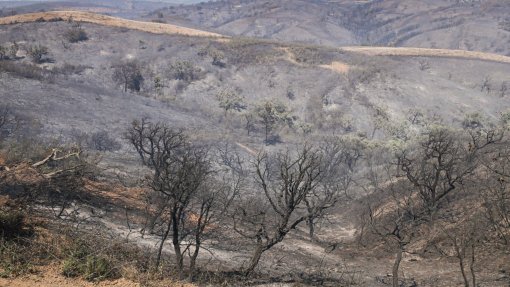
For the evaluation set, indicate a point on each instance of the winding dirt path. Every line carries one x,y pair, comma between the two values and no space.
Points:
427,52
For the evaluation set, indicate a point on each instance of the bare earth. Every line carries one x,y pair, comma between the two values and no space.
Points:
427,52
49,276
157,28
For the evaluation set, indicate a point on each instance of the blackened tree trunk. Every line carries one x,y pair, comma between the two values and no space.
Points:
176,242
163,239
396,266
255,258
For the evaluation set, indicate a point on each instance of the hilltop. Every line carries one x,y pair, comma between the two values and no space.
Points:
81,16
466,25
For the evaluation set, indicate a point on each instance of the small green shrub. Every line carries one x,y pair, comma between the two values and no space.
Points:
72,267
97,268
81,261
14,259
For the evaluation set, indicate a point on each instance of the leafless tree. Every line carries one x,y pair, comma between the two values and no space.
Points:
291,193
339,164
418,182
437,165
190,197
494,184
394,216
285,180
467,234
102,141
129,74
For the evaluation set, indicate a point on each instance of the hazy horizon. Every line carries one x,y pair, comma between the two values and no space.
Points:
164,1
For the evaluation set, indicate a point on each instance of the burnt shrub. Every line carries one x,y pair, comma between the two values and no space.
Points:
129,74
15,250
185,71
27,71
11,224
70,69
76,34
37,53
102,141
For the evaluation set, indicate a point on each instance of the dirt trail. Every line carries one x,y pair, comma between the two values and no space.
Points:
338,67
157,28
426,52
246,148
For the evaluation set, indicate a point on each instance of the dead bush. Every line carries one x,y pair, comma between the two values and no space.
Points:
243,52
216,55
37,53
27,71
11,224
129,74
70,69
102,141
185,71
306,55
76,34
3,53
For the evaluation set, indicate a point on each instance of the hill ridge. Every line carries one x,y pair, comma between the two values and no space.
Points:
163,28
89,17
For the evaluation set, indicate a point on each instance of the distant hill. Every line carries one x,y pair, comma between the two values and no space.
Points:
459,24
128,9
